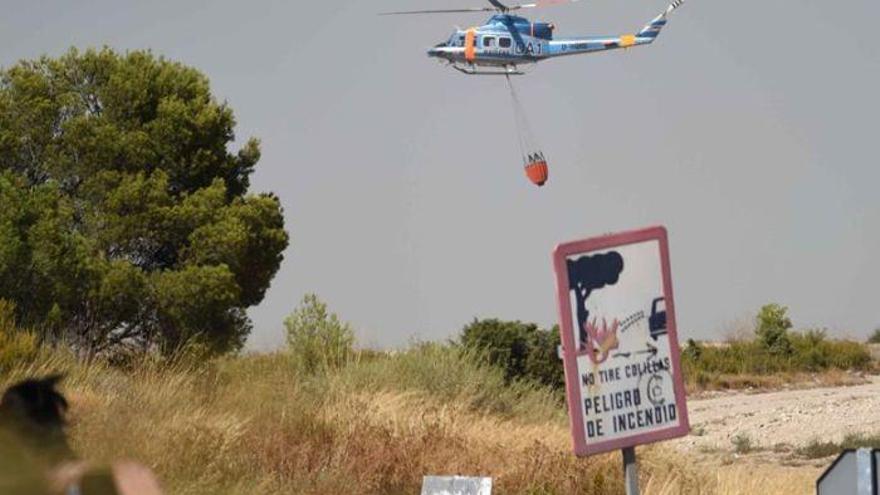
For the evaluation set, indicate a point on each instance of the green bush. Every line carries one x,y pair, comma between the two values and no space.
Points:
875,337
316,338
814,352
774,349
772,329
818,449
810,351
742,443
504,343
543,364
522,350
693,350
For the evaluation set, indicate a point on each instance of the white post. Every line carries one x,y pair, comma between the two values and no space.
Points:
630,471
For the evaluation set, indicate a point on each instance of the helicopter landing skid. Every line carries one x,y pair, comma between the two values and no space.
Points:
473,70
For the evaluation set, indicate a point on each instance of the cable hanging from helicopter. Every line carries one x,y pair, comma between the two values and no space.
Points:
535,163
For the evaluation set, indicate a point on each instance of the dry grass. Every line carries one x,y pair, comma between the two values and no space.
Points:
763,479
257,425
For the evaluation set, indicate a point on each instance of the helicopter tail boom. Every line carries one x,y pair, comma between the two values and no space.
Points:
646,36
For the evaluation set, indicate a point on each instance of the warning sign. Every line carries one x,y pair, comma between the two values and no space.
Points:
620,349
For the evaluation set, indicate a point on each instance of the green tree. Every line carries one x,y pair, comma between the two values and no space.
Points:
318,339
124,219
875,337
772,329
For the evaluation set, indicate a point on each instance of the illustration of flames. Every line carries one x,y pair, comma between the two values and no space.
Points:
603,339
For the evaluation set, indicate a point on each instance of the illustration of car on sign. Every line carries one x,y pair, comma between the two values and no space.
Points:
657,321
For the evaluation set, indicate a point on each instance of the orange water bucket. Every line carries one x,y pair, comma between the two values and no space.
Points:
537,172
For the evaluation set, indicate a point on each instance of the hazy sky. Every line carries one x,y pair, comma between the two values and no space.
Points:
749,129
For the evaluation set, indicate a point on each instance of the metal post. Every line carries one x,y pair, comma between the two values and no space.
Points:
630,471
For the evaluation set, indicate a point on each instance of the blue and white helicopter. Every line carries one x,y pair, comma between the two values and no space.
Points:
506,42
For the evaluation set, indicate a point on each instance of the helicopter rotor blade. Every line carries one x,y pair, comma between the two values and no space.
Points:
496,6
540,4
444,11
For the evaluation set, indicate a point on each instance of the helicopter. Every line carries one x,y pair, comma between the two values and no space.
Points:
507,42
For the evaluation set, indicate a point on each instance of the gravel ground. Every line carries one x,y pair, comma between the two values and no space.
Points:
775,419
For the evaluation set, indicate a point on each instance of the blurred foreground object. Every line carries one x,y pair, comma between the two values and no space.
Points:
122,478
32,415
456,485
20,474
31,435
36,459
854,472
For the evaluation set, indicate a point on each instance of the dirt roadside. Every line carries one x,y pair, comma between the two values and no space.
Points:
777,422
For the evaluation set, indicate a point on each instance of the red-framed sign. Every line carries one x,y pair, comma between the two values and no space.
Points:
619,341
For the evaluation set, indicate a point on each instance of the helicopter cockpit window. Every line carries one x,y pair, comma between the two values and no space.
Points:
504,42
488,41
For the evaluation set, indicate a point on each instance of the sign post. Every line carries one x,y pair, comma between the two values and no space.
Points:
630,471
619,344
